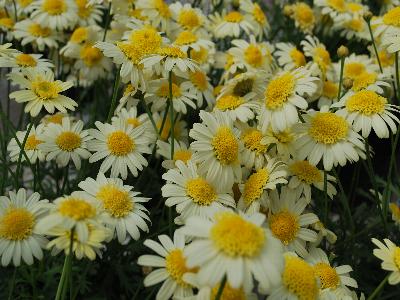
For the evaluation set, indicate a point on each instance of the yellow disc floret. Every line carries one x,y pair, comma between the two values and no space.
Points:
284,225
175,264
366,102
38,31
363,81
235,236
116,201
90,55
199,80
279,90
327,275
252,141
200,191
77,209
163,91
79,35
68,141
353,69
171,51
255,185
32,142
258,14
183,155
228,102
396,257
189,19
392,17
306,172
185,38
147,39
253,56
330,89
228,293
338,5
16,224
162,8
328,128
25,60
46,90
120,144
225,145
54,7
298,57
233,17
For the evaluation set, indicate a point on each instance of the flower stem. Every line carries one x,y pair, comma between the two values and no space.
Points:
171,115
220,289
12,284
342,59
325,196
378,288
66,277
22,148
374,45
108,19
114,95
148,112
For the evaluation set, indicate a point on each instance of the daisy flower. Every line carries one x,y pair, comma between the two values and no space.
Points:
329,94
56,14
284,93
237,108
289,57
328,137
181,153
323,232
22,61
217,148
121,146
79,37
254,190
187,40
333,8
335,280
64,142
55,118
76,211
180,127
31,148
157,12
40,90
31,32
280,143
236,246
304,175
303,16
187,17
131,118
198,85
365,110
170,263
389,27
230,24
125,213
395,210
353,27
128,99
255,16
7,50
355,65
88,14
19,237
192,193
321,59
389,253
371,81
249,84
288,223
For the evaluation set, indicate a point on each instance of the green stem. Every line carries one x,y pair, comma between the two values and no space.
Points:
342,59
108,19
396,63
379,288
148,112
66,271
220,289
374,45
325,196
12,285
17,173
114,94
171,115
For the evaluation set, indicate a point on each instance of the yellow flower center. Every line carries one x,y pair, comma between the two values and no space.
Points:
353,69
7,22
25,60
243,87
183,155
175,263
16,224
306,172
200,191
55,119
137,14
298,278
46,90
330,90
54,7
259,15
189,19
120,144
166,129
279,90
132,51
129,89
77,209
233,17
162,8
225,146
84,10
32,142
147,38
322,58
386,58
396,257
199,56
327,275
229,61
339,5
366,103
185,38
90,55
284,225
253,56
304,15
328,128
68,141
298,57
228,293
171,51
392,17
133,121
24,3
255,185
363,80
252,141
79,35
354,7
395,211
199,80
115,200
38,31
355,24
163,91
228,102
283,137
235,236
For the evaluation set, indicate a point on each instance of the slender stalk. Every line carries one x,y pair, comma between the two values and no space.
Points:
378,288
108,19
171,115
342,59
374,45
220,289
325,197
12,284
148,112
396,63
66,271
164,119
114,95
17,173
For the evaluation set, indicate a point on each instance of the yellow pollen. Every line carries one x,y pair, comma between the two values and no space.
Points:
200,191
133,121
279,90
338,5
77,209
259,15
284,137
306,172
353,69
16,224
225,146
32,142
68,141
330,90
355,24
304,16
255,185
228,293
46,90
183,155
328,128
354,7
147,39
395,209
189,19
120,144
229,61
386,58
171,51
84,10
79,35
129,89
162,8
396,257
327,275
185,38
233,17
115,200
38,31
235,236
137,14
298,277
90,55
322,58
229,102
54,7
298,57
167,127
55,119
252,141
25,60
163,91
199,80
7,22
253,56
199,56
175,263
366,102
392,17
363,80
24,3
243,87
132,51
284,225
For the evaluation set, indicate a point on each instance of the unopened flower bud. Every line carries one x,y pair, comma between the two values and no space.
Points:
347,83
288,10
368,16
342,51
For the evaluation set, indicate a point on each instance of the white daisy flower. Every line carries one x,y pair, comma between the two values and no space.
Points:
199,86
389,27
187,17
230,24
81,36
88,14
328,137
193,194
131,118
158,13
329,94
181,153
289,57
128,99
40,90
217,148
56,14
171,266
124,211
19,237
6,50
30,32
333,8
321,60
236,246
237,108
371,81
256,17
303,16
288,223
180,127
365,110
389,253
353,27
188,41
65,142
22,61
121,146
280,143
